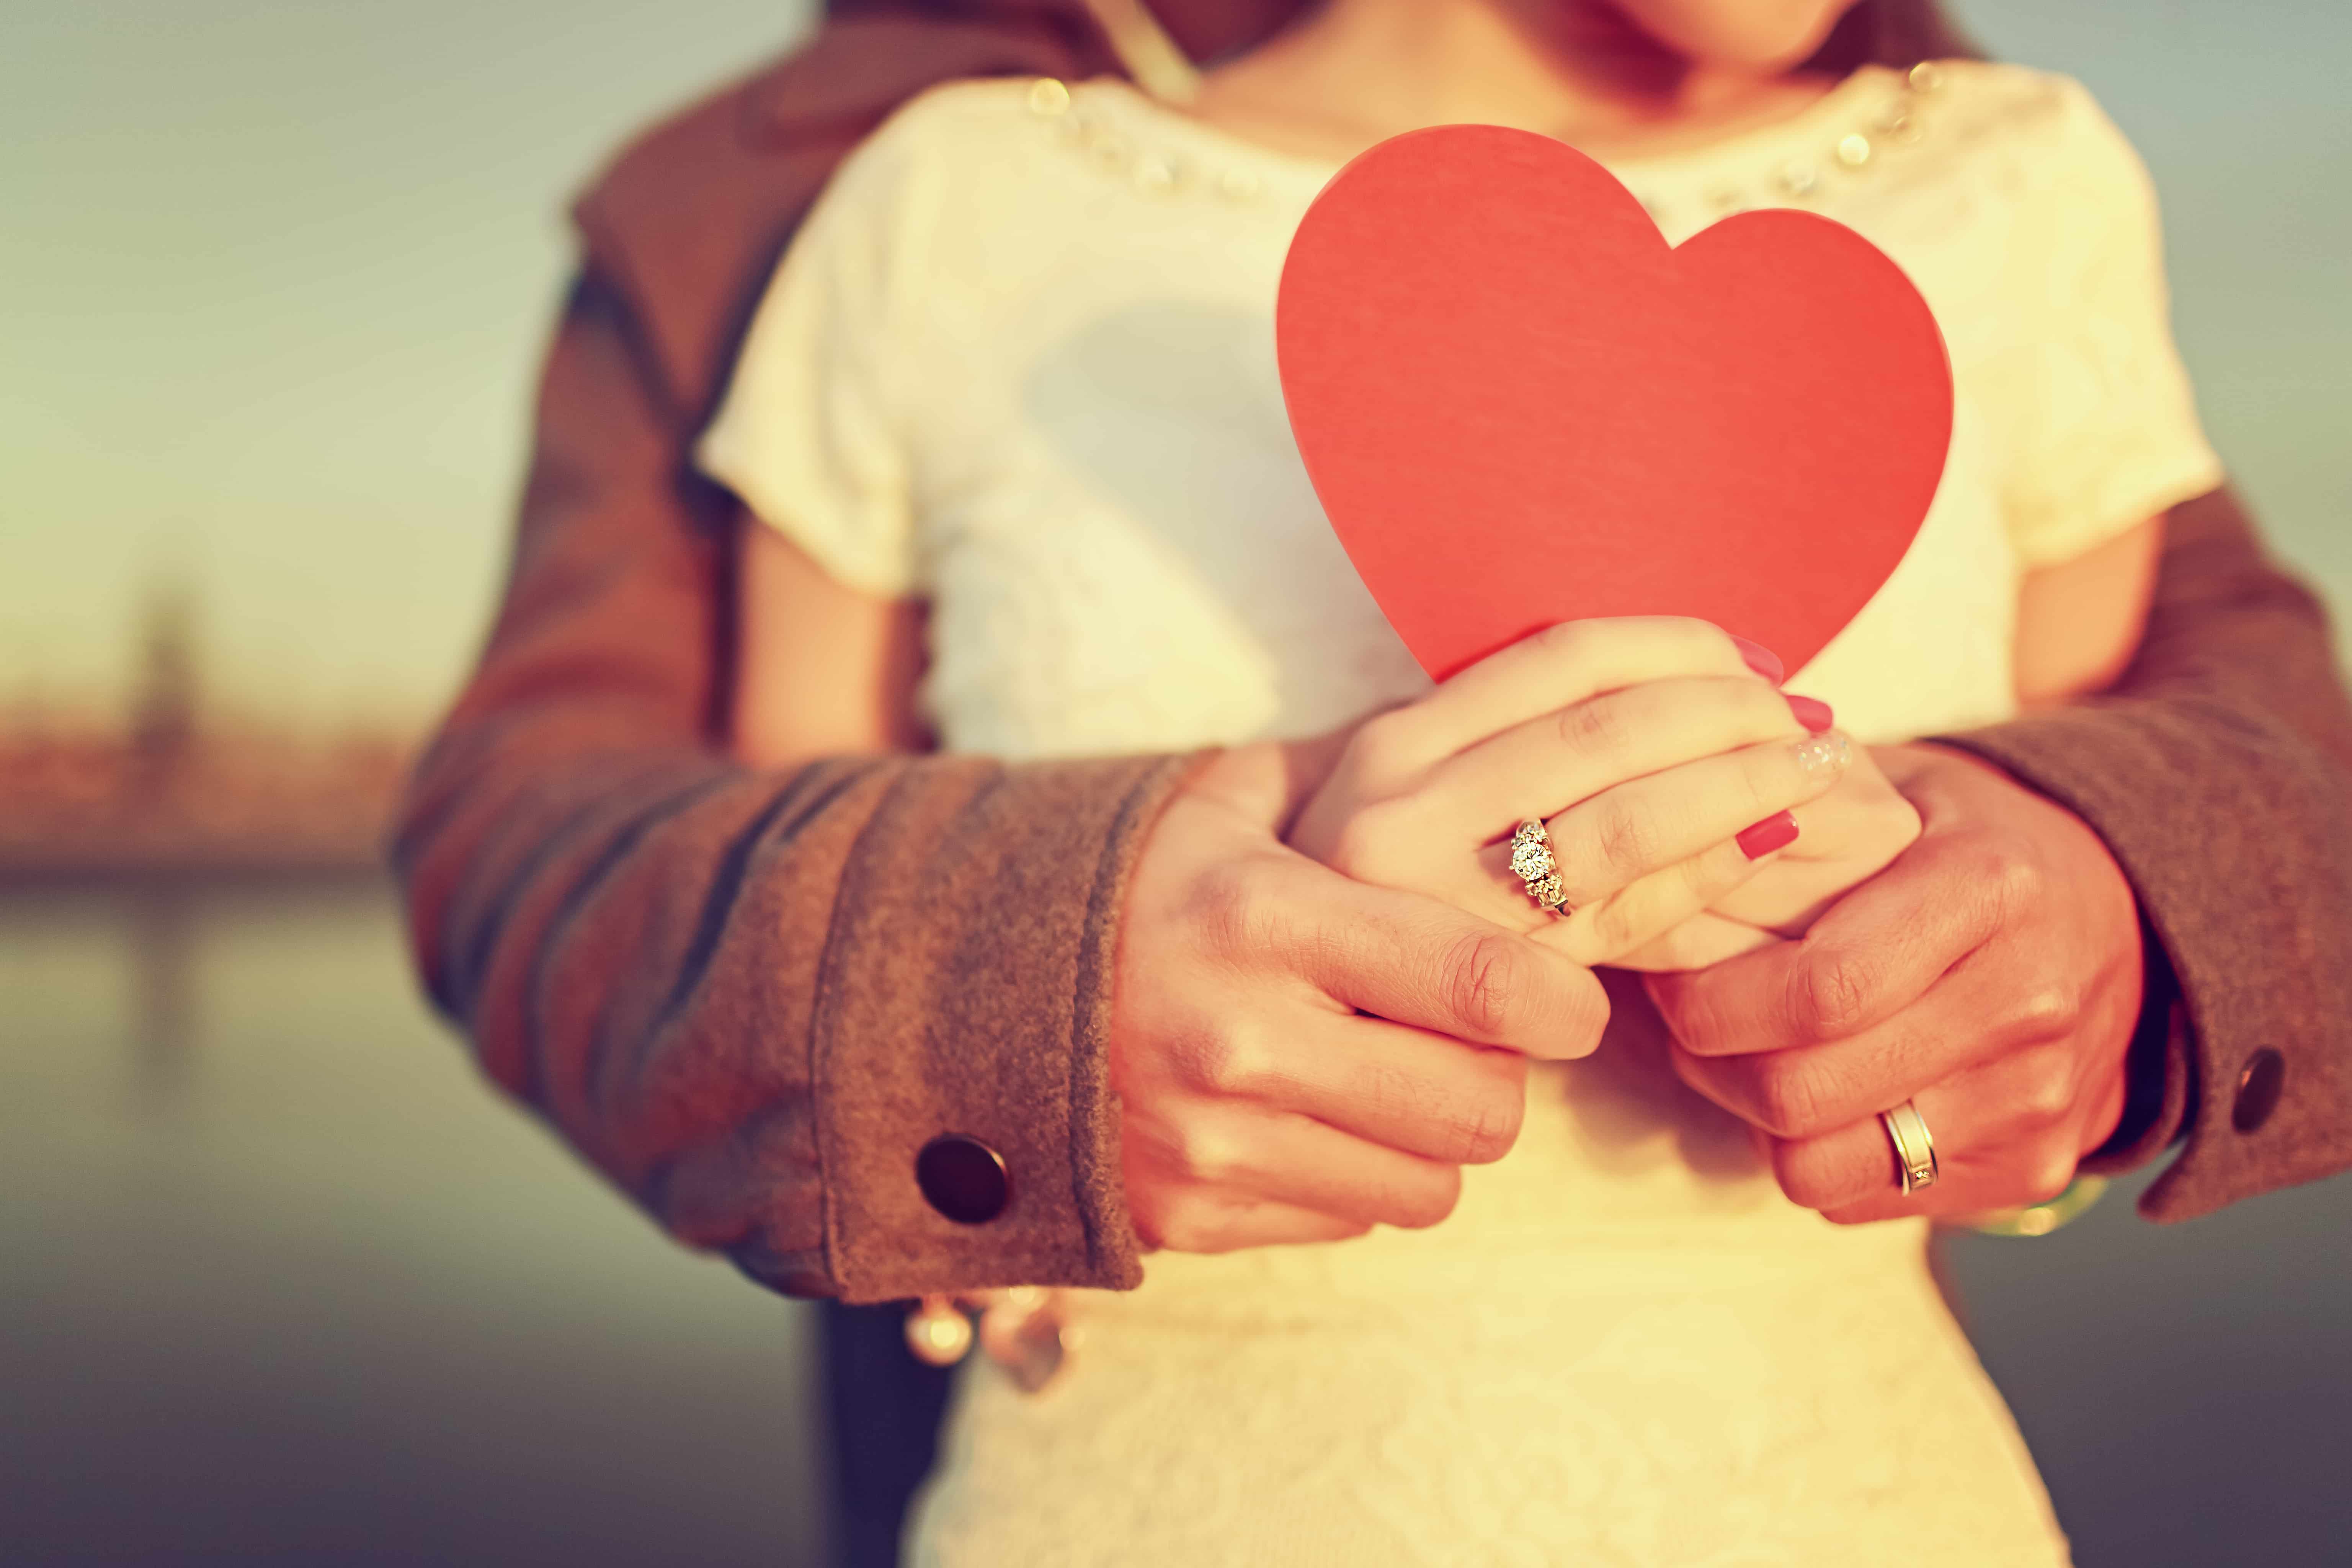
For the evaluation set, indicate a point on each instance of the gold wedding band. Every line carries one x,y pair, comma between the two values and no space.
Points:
1532,863
1915,1149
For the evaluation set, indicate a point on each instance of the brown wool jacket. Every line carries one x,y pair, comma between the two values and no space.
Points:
750,998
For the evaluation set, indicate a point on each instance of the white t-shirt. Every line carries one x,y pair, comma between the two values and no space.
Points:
1020,362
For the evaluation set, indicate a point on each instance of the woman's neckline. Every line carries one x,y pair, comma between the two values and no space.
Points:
1832,110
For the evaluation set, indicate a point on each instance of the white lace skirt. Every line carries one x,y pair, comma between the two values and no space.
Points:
1691,1373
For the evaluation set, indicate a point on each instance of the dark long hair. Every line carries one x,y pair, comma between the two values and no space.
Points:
1892,33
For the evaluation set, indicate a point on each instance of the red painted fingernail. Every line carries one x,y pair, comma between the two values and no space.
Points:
1760,659
1811,712
1776,831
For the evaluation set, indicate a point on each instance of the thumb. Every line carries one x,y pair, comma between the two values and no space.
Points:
1267,781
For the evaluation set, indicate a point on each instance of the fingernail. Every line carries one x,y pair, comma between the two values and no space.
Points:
1823,752
1776,831
1760,659
1811,712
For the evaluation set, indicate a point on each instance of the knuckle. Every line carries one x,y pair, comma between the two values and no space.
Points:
1615,927
1388,1090
1767,773
1185,1223
1789,1098
1623,841
1975,860
1368,844
1587,1010
2020,882
1507,1071
1430,1202
1206,1157
1485,1131
1805,1178
1895,820
2047,1096
2049,1172
1482,982
1598,725
1833,989
1234,910
1200,1057
1702,640
1384,745
1763,709
1155,1224
1563,640
1691,1012
2047,1010
1688,642
1240,1064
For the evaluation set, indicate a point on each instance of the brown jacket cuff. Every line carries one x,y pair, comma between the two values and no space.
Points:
965,989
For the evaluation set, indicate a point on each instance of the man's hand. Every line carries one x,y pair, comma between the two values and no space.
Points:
1259,1102
1992,974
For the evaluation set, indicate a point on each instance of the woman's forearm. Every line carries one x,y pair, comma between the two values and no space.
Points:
2080,621
821,668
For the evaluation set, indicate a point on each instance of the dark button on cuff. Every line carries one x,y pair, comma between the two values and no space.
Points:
2258,1089
963,1178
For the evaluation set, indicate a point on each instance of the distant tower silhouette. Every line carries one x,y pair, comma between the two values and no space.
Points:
163,704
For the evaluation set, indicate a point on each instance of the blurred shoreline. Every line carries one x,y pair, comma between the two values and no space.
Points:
87,805
169,792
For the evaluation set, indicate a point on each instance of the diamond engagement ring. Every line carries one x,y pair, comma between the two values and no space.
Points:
1532,863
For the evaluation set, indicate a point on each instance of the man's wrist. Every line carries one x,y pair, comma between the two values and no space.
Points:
2157,1082
2150,1079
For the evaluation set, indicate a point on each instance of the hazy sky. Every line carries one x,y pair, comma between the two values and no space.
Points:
273,278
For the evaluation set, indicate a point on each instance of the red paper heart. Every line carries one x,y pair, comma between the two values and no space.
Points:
1519,406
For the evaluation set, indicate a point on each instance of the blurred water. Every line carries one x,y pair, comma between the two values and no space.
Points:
2184,1387
285,1283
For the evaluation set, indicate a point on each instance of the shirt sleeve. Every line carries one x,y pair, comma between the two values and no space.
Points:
2089,400
811,432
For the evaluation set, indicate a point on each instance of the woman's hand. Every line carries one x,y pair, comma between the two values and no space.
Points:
1842,839
1653,746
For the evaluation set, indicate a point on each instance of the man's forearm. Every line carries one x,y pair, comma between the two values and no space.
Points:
751,999
2219,772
